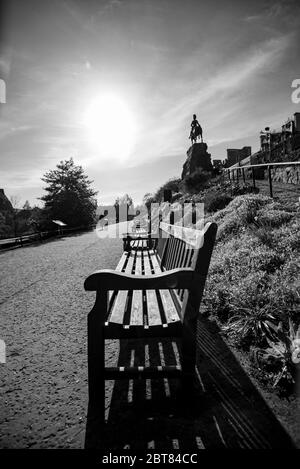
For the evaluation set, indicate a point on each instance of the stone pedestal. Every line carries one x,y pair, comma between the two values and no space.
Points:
197,157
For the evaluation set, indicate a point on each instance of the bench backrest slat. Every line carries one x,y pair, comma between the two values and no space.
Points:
186,247
200,263
161,246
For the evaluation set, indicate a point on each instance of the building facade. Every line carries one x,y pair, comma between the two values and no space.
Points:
235,155
276,144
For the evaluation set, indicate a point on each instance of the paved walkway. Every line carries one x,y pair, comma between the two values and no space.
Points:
43,320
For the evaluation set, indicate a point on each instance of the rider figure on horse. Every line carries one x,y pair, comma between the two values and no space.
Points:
196,130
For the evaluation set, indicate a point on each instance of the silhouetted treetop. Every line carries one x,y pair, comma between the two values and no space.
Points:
69,196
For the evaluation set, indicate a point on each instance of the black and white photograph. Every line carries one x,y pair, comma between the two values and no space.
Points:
149,228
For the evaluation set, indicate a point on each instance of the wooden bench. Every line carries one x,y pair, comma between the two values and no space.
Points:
154,292
139,239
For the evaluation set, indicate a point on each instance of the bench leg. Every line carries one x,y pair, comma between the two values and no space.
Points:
96,360
126,244
96,383
97,387
188,355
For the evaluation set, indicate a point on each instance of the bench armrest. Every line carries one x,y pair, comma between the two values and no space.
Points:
112,280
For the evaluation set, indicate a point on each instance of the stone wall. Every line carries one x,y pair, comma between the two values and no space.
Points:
286,174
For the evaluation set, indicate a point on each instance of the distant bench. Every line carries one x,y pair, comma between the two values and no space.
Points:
155,291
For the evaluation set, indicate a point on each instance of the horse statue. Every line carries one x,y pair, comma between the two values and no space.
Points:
196,132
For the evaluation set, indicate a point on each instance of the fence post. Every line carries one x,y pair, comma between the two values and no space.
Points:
253,177
243,171
270,180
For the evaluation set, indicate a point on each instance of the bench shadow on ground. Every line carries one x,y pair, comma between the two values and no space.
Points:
224,411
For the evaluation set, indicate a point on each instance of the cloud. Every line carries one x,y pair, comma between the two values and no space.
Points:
4,66
236,75
284,11
221,96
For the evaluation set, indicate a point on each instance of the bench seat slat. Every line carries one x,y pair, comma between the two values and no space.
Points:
136,313
154,316
119,268
166,298
122,261
119,306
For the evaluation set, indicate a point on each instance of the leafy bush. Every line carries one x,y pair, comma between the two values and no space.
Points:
282,358
264,222
235,289
238,214
251,324
196,181
173,184
216,201
273,218
236,189
287,296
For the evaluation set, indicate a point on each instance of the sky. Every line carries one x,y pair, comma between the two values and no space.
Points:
114,84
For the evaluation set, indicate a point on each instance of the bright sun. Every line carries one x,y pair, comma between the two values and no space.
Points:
111,127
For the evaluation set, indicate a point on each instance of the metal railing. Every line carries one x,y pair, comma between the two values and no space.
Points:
231,172
20,241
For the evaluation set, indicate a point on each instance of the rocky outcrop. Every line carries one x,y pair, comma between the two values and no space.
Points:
197,157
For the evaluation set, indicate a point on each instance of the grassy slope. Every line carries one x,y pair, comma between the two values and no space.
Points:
253,279
285,193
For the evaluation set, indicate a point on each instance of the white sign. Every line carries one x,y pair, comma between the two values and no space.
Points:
58,222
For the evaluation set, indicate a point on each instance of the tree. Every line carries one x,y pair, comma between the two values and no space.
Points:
148,199
15,202
26,206
124,200
69,196
173,184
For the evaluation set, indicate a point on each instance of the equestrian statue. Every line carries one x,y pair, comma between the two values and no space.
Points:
196,130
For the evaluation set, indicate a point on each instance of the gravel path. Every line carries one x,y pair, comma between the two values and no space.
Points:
43,321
